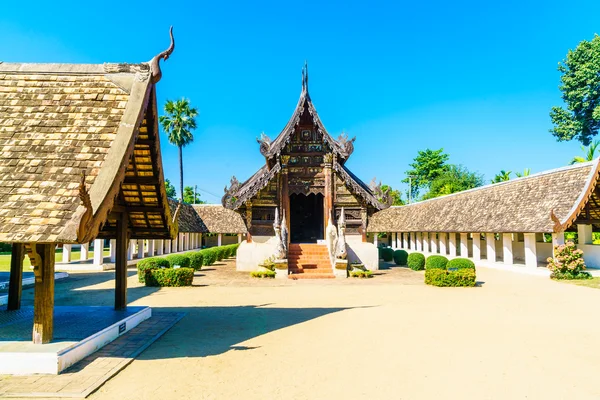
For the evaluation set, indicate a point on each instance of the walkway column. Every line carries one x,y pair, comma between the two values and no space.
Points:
507,249
476,247
558,239
140,252
239,238
168,246
130,249
15,280
434,242
464,245
584,233
84,255
425,239
200,240
159,247
443,243
113,250
98,251
452,244
375,238
418,241
405,240
180,241
43,300
174,244
531,250
150,248
413,241
395,240
66,255
490,241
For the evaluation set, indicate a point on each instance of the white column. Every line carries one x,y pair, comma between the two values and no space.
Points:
405,240
239,238
434,242
507,249
558,238
140,252
200,240
84,255
452,244
66,258
490,241
419,241
113,250
375,238
443,243
130,249
98,251
531,250
180,239
174,244
464,245
394,240
584,233
159,247
150,248
195,240
168,246
476,246
413,241
425,240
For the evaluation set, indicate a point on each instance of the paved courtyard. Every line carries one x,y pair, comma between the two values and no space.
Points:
390,337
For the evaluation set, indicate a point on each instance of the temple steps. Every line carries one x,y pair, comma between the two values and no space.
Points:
309,261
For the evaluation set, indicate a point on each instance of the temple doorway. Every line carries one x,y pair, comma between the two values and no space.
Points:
306,218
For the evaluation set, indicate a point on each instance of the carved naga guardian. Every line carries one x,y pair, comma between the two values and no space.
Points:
280,245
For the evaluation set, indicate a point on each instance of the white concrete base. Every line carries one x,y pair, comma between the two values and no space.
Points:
48,360
281,269
340,269
75,266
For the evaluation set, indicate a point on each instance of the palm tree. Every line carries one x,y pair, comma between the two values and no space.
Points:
590,153
178,123
526,172
503,176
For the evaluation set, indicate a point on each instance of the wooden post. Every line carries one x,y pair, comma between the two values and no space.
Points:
249,221
16,276
121,263
43,300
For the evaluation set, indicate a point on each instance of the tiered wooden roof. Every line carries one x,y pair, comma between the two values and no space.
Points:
78,145
550,201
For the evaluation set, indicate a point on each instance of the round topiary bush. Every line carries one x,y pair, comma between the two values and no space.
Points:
196,260
460,263
416,261
179,259
220,252
175,277
436,262
400,257
148,264
387,254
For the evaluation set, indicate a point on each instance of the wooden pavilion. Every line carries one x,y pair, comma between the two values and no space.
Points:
79,160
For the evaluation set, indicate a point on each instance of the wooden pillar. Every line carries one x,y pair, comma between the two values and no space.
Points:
249,221
43,300
121,263
15,283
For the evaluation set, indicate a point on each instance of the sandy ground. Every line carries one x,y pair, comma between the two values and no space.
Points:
390,337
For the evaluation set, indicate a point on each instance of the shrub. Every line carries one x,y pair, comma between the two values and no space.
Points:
400,257
220,251
436,262
460,263
567,262
196,260
361,274
210,256
387,254
263,274
178,259
358,266
148,264
444,278
170,277
416,261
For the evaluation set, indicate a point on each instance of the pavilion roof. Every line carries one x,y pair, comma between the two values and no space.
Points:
219,219
78,144
550,201
188,219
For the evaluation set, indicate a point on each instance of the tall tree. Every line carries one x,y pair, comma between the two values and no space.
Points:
456,178
178,124
580,87
589,153
526,172
502,176
170,189
427,166
190,197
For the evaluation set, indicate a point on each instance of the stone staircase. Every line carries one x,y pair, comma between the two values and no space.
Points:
309,261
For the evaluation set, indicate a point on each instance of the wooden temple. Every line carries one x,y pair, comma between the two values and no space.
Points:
79,160
305,176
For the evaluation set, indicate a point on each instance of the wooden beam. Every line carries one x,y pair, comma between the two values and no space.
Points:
15,284
121,263
141,180
587,221
43,301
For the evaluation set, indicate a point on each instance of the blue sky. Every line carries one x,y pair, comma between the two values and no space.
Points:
476,78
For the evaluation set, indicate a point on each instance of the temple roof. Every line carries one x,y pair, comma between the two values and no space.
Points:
219,219
550,201
188,219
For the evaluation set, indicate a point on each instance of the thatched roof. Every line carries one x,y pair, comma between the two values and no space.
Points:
550,201
219,219
188,219
62,122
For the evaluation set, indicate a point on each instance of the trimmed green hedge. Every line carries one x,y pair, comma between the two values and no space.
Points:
210,256
400,257
416,261
149,264
361,274
460,263
570,275
263,274
182,260
387,254
174,277
436,262
444,278
196,260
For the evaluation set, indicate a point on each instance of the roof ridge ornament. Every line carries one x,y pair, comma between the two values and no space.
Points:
305,77
154,63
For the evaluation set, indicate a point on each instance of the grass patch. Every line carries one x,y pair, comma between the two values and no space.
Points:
591,283
5,259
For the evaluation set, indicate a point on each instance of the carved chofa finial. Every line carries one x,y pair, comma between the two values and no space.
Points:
154,63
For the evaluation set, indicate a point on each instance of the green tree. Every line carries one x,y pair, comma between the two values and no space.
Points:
580,87
178,124
188,196
395,195
456,178
503,176
526,172
589,153
427,166
170,189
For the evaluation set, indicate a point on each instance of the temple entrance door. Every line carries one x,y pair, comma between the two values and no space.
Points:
306,218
